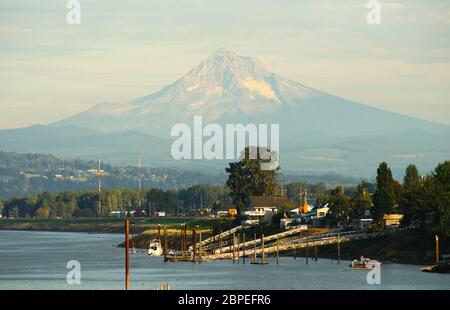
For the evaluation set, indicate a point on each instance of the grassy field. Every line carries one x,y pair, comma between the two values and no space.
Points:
110,225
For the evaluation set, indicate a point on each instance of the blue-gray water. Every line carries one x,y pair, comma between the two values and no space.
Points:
37,260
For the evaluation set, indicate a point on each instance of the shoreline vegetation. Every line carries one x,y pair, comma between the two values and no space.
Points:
404,246
110,225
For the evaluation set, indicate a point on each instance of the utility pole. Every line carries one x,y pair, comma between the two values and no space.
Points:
339,249
99,174
139,183
436,237
127,255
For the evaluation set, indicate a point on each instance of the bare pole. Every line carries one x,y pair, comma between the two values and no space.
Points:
277,251
99,189
436,237
234,250
306,250
254,247
200,246
139,183
194,244
165,244
127,255
339,249
220,242
262,248
243,256
238,247
133,244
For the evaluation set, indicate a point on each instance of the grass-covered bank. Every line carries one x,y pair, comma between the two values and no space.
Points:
405,247
108,225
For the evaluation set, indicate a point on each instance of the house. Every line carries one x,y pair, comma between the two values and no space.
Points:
160,214
264,208
392,220
362,223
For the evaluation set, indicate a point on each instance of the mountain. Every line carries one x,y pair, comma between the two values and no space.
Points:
231,88
319,132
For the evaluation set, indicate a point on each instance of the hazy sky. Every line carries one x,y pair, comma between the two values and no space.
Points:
125,49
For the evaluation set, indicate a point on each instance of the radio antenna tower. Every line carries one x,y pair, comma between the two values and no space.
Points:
139,183
99,174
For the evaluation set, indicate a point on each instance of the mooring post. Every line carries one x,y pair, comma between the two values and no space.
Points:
133,248
295,250
159,233
277,251
127,255
181,238
315,253
200,246
220,242
234,242
339,249
238,247
185,238
254,248
243,255
262,248
194,244
165,244
306,250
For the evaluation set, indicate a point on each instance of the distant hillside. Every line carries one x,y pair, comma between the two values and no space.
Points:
29,174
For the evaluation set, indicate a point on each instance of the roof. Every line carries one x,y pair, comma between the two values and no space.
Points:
392,216
268,201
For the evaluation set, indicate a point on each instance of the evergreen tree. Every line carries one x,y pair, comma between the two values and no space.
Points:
247,178
384,197
339,205
361,201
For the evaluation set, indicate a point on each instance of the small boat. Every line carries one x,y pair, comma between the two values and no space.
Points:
364,263
154,248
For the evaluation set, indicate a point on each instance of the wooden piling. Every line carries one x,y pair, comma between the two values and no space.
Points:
165,244
238,247
234,250
262,249
306,250
254,248
200,246
315,253
277,251
194,244
220,242
295,250
243,256
127,255
159,233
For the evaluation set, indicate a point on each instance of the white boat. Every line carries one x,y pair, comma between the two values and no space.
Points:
364,263
154,248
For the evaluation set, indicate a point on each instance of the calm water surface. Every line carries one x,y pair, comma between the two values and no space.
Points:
37,260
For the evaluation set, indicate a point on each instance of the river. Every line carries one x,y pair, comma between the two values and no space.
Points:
37,260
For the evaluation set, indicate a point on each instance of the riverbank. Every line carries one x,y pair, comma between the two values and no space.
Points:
403,247
108,225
